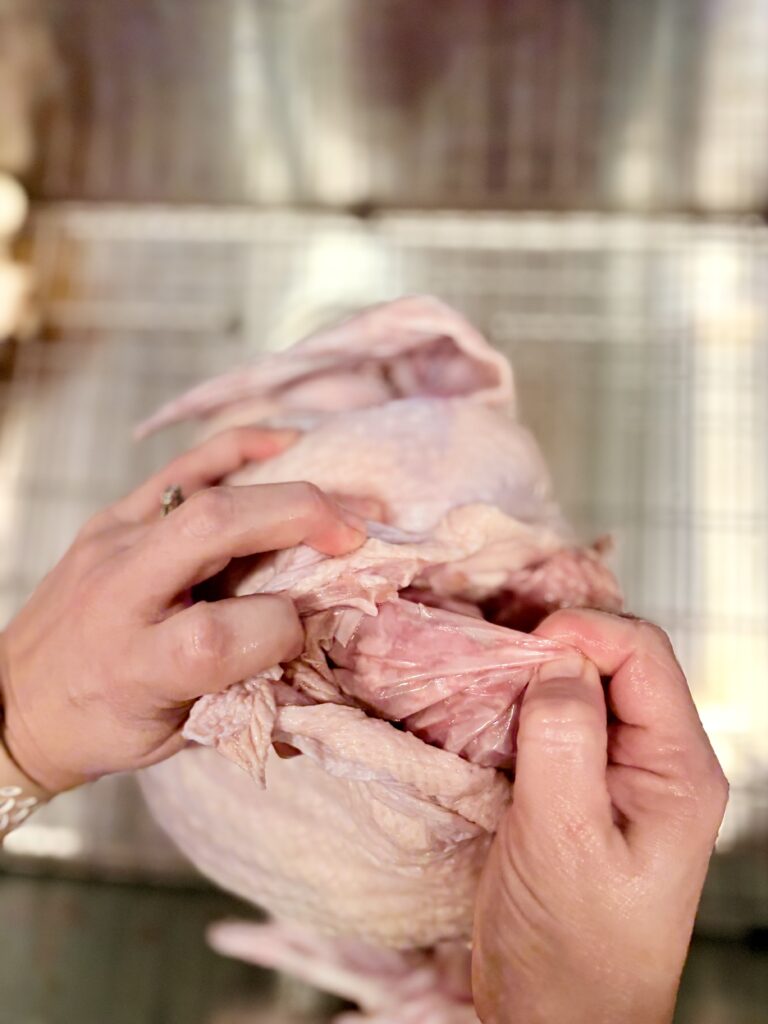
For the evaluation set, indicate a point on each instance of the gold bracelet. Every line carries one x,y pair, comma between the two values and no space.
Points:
19,795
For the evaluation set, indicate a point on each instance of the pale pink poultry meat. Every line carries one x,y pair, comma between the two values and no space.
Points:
404,699
389,986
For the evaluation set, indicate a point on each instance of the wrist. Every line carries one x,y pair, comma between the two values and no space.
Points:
18,746
20,795
31,765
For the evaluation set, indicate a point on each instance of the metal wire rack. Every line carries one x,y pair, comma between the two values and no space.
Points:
641,355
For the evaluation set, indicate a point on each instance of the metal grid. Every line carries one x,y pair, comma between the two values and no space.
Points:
607,104
641,355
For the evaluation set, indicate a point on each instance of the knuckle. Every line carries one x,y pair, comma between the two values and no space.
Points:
82,557
95,524
723,785
560,720
716,792
204,640
206,513
701,798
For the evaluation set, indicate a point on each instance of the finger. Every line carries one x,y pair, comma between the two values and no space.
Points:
648,690
661,763
560,778
204,465
207,647
216,525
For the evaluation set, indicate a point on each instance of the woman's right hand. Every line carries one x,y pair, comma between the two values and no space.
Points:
588,898
100,667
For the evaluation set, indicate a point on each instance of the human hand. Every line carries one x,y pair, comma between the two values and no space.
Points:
588,898
100,667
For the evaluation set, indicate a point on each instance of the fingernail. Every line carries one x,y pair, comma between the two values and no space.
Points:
567,666
286,436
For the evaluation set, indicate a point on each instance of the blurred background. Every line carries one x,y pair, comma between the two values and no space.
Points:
184,183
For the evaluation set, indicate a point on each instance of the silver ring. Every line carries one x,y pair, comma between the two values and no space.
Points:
172,498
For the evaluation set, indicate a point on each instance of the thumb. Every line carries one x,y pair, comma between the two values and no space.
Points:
562,748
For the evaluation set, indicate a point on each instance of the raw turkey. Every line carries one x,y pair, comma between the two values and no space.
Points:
418,649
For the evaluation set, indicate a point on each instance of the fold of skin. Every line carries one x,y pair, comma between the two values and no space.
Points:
418,649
